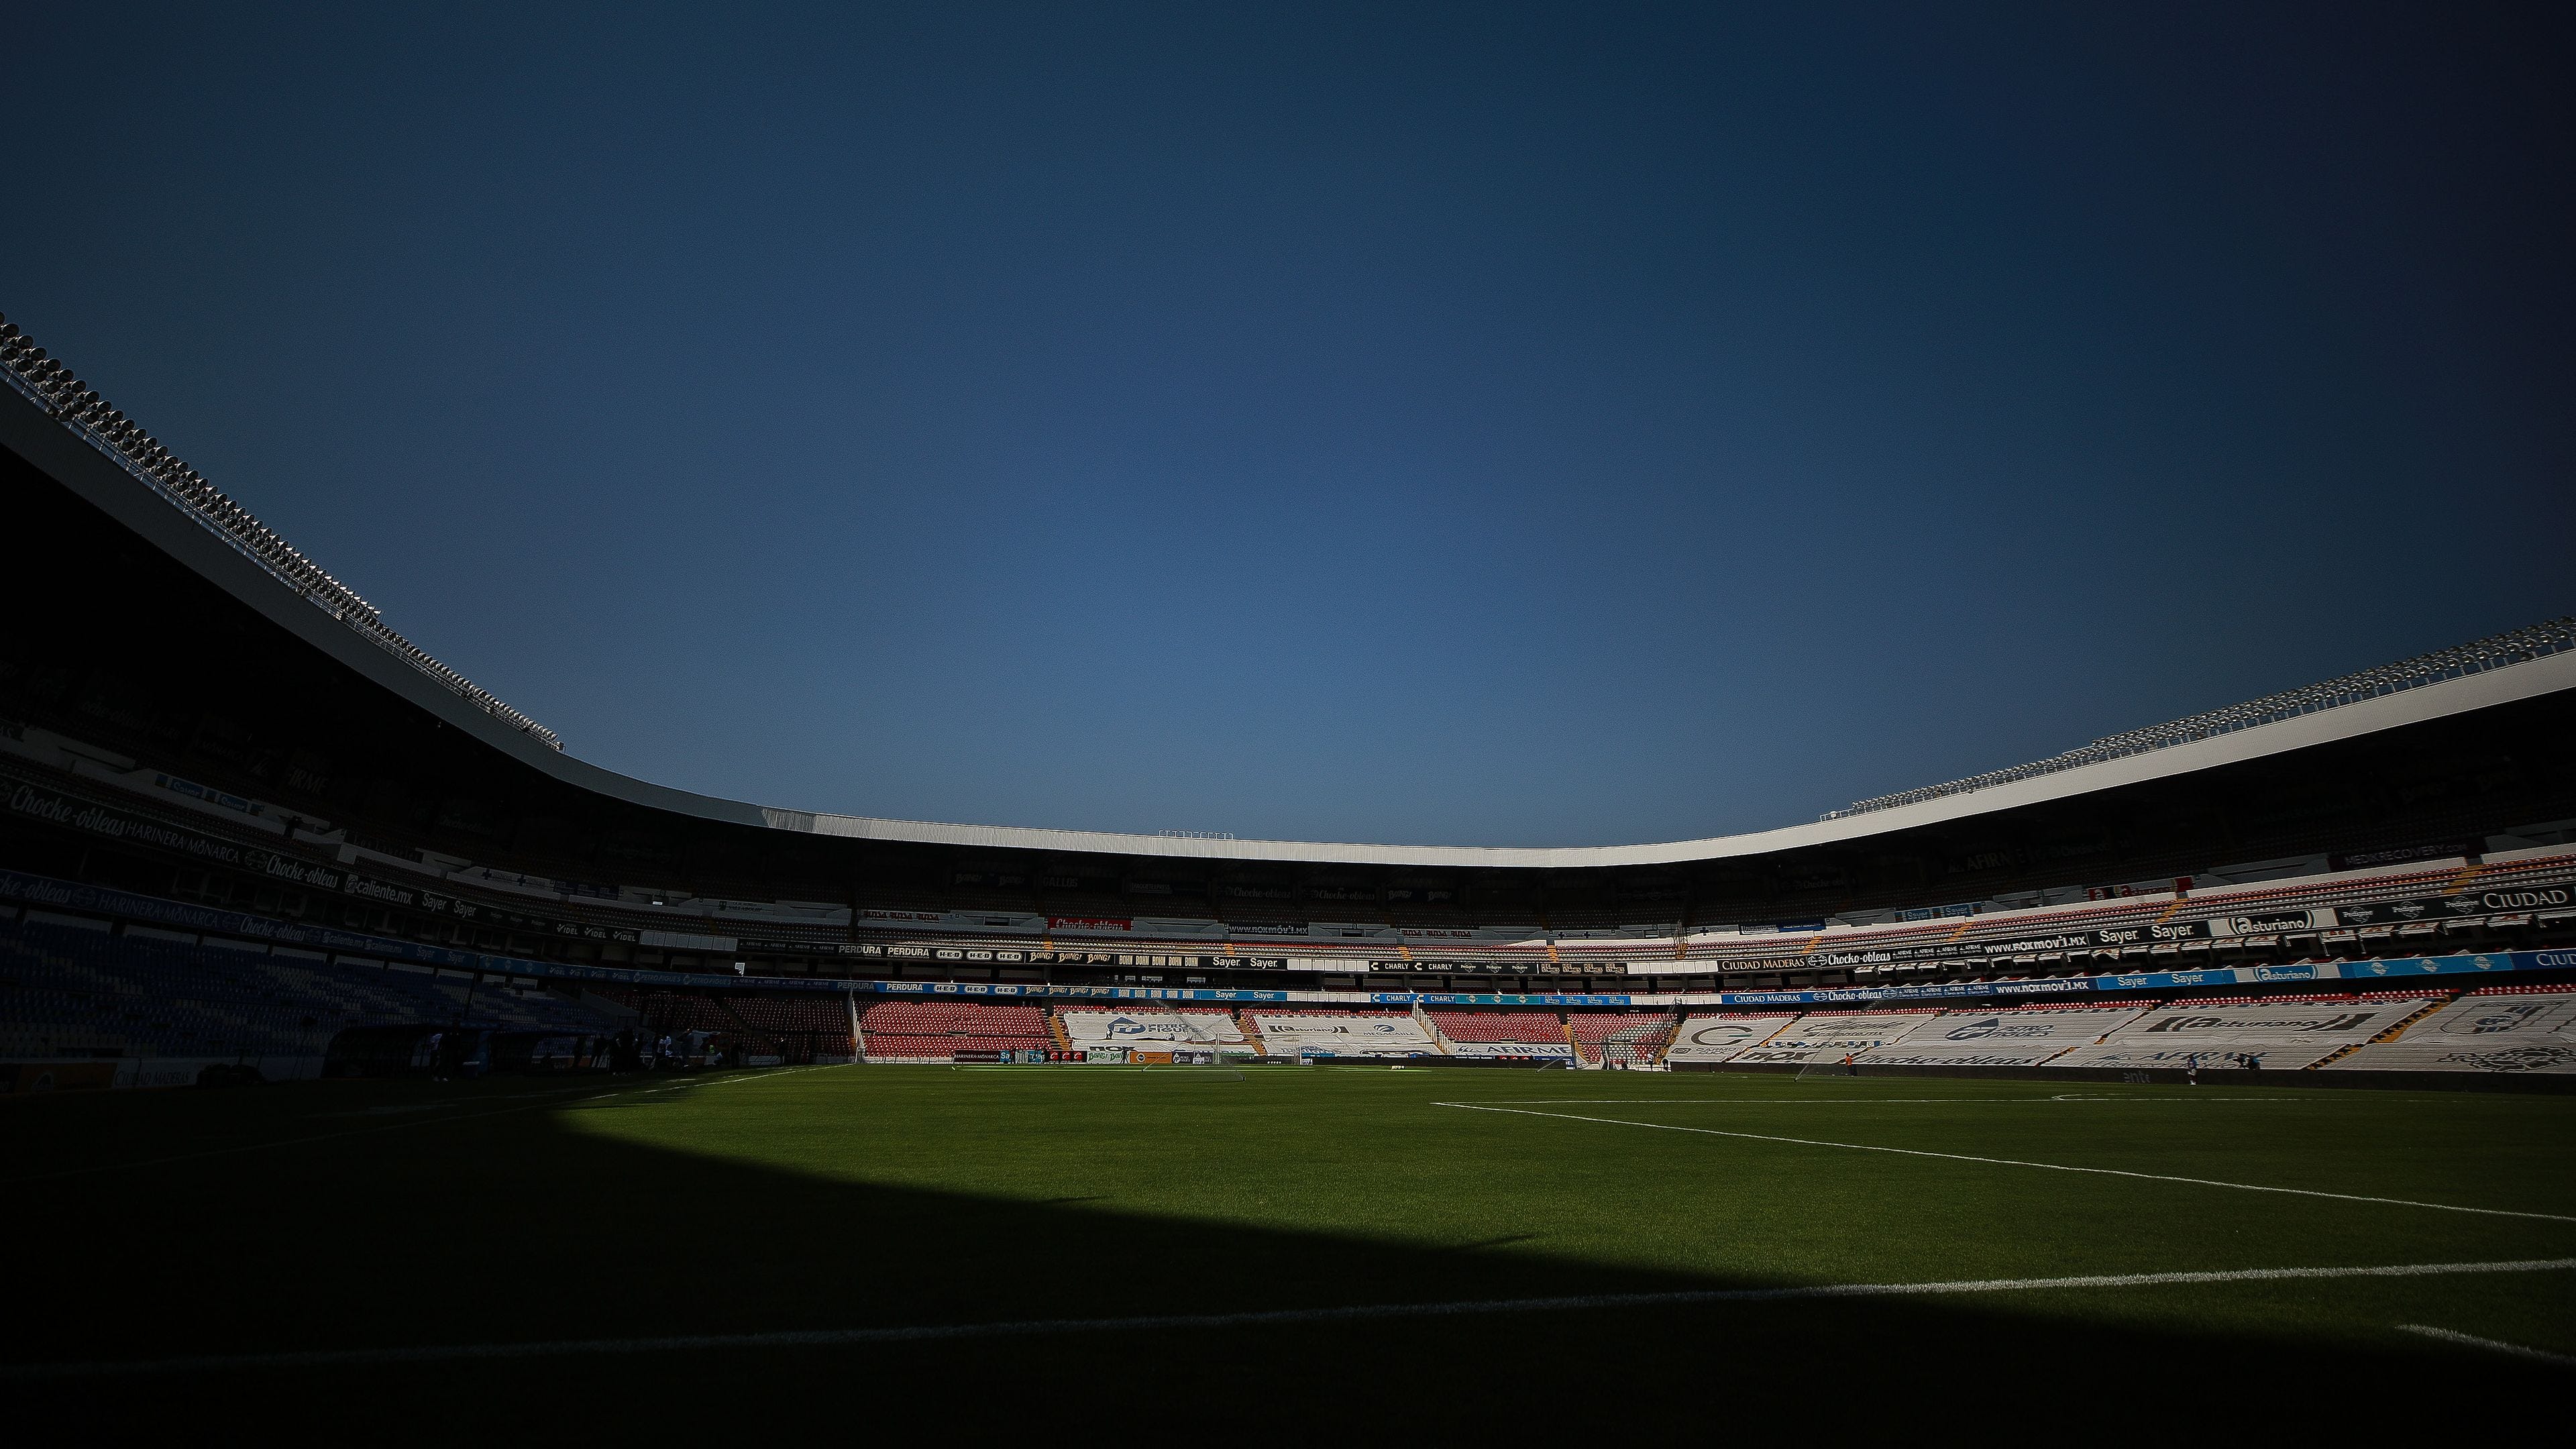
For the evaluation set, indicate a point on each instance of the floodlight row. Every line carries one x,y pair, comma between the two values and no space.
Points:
2511,647
78,407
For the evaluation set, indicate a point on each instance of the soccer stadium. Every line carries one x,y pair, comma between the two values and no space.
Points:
2250,1026
1680,457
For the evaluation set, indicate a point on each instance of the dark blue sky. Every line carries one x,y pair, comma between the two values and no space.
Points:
1546,426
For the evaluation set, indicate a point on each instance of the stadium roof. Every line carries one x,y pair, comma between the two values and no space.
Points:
72,433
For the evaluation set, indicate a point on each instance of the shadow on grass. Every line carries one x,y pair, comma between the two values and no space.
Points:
511,1225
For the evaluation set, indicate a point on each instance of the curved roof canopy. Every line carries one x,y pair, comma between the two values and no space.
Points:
68,431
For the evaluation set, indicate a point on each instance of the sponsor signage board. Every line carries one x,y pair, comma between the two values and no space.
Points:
2404,854
1502,998
2106,938
82,815
2451,907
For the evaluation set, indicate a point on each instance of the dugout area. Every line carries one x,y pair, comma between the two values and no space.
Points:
1348,1253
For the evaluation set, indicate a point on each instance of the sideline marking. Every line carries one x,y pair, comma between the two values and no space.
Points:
2020,1162
2493,1345
560,1097
836,1337
1855,1101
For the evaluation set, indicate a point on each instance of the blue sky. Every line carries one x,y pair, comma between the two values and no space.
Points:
1557,425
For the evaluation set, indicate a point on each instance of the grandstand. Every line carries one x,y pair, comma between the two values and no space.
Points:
1706,1038
1830,1036
1517,1035
943,1031
1326,1033
1108,1028
2499,1029
1620,1039
2029,1036
156,1010
911,1099
2277,1032
322,774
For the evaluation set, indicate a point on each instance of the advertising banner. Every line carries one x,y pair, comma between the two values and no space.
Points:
55,808
1503,998
2143,933
2406,854
2465,903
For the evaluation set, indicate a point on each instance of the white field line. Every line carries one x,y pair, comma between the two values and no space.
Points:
2492,1345
931,1333
1863,1101
2018,1162
558,1098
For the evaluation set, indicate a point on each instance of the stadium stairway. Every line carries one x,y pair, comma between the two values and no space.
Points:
1648,1051
2392,1034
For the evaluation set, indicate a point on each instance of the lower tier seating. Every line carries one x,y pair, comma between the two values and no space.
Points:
71,992
1090,1028
1620,1038
1514,1034
2019,1037
1830,1036
936,1031
2502,1029
1288,1033
1720,1036
2278,1033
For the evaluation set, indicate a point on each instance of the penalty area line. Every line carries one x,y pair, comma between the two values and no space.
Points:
2491,1345
932,1333
2446,1207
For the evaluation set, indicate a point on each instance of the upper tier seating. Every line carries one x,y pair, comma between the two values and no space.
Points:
2501,1029
2017,1037
2276,1033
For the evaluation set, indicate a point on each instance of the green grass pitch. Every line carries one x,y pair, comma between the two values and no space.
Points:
1142,1251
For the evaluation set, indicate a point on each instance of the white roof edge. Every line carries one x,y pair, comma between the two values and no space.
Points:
2501,685
56,451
